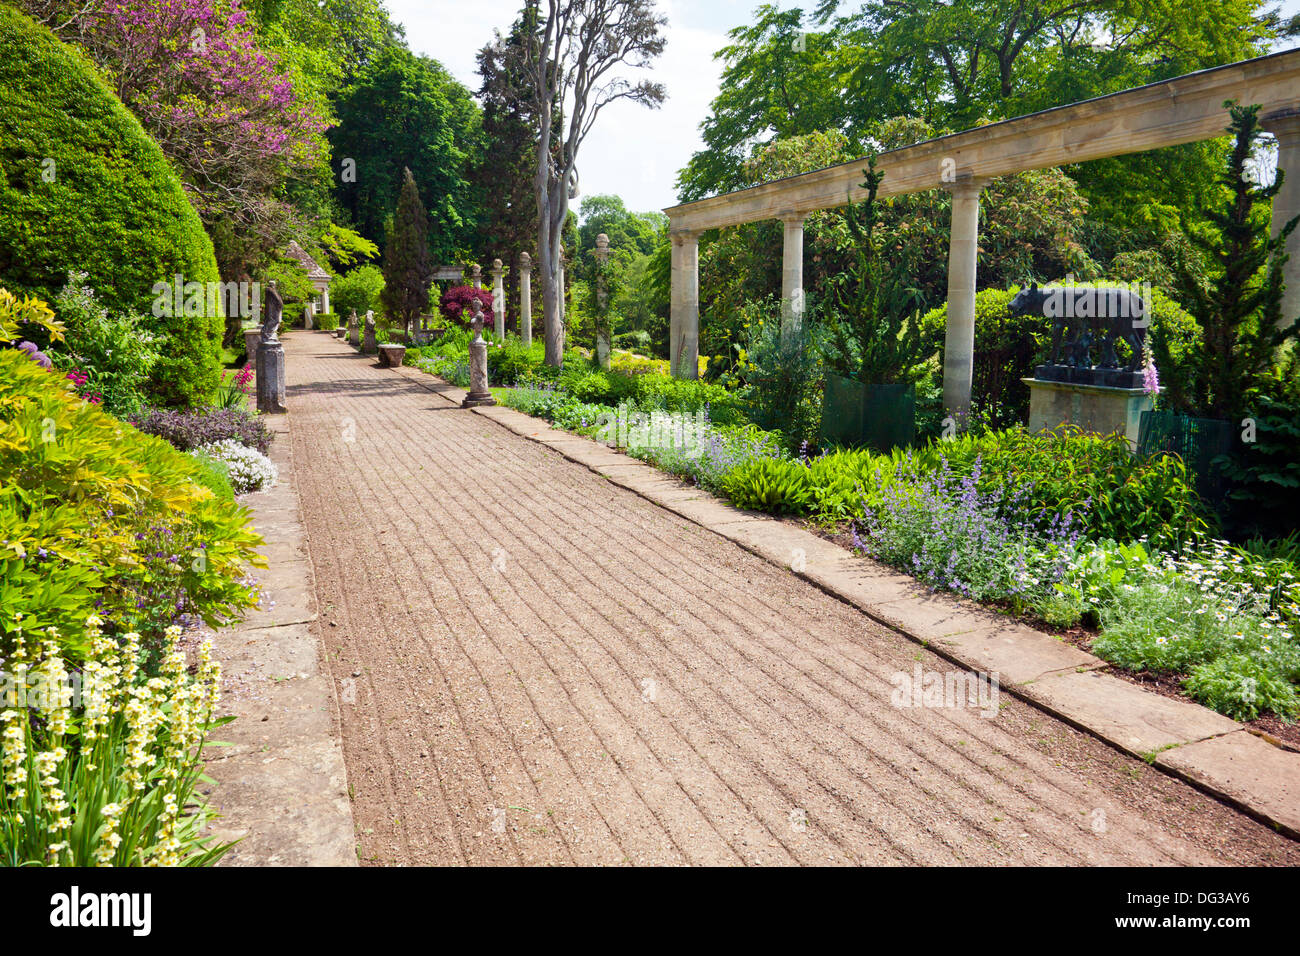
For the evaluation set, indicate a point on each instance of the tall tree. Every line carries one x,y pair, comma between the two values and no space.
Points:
407,112
503,178
1240,307
844,66
408,269
573,47
231,117
630,234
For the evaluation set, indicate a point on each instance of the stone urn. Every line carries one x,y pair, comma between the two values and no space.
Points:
392,356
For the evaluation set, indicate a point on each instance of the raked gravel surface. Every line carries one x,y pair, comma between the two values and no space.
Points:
535,666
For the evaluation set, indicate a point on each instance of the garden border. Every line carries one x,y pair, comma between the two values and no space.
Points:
1207,750
282,782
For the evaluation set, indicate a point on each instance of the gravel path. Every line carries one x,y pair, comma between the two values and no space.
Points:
537,667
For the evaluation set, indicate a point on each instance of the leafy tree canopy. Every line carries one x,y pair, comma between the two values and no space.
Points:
406,111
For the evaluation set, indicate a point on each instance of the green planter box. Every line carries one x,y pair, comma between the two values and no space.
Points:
1197,441
879,417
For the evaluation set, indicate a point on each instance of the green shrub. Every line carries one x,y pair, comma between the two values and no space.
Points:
782,374
509,362
1242,688
114,350
777,486
82,187
1264,475
326,321
97,517
1210,611
1116,493
720,450
213,476
845,482
357,290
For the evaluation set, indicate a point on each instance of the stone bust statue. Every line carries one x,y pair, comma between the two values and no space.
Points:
477,321
274,313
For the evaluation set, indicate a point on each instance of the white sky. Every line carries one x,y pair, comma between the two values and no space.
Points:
632,152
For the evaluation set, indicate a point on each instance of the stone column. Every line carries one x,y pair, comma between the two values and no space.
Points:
684,327
498,300
526,299
604,330
674,301
1285,125
959,344
307,314
792,291
325,296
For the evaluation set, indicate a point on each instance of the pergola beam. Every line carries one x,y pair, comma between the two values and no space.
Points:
1185,109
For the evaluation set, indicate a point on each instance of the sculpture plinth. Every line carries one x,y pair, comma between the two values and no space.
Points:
1094,408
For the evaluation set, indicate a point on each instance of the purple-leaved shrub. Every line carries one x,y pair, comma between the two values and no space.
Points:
188,430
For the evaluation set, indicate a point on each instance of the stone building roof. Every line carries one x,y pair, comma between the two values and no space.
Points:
299,255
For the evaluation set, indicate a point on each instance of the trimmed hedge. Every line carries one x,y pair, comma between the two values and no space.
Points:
113,207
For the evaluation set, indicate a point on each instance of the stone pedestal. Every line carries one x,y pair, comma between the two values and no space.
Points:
354,329
478,369
1094,408
392,356
307,323
270,378
478,377
252,339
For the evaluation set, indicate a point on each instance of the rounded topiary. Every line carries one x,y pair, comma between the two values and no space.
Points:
83,187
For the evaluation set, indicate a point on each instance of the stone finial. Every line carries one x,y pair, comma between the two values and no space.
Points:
602,247
476,276
525,262
497,268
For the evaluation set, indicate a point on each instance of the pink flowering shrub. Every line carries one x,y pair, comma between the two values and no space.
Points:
222,109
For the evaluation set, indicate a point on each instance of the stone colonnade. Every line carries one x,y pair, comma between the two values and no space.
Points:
1181,110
